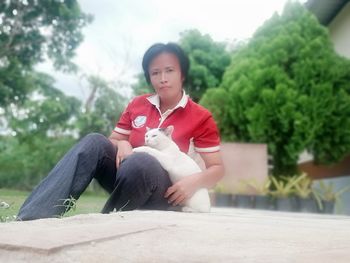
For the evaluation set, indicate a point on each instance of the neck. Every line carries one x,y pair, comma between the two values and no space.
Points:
167,104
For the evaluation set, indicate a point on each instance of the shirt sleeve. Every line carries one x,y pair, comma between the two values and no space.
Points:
123,126
206,136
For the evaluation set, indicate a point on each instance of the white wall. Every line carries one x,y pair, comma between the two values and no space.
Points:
339,30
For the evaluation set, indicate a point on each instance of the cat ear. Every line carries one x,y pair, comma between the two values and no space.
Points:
147,129
169,130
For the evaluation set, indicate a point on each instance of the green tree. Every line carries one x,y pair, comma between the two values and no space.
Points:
49,113
208,59
102,108
40,122
30,31
141,86
41,132
288,88
46,126
24,163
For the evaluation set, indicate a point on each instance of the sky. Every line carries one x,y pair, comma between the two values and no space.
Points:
122,30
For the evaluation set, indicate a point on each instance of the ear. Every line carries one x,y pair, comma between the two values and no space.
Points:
147,129
169,130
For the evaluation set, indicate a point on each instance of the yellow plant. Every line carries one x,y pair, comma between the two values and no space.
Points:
221,188
284,187
328,193
262,188
303,186
303,189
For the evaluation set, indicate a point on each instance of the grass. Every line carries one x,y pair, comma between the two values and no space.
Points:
88,203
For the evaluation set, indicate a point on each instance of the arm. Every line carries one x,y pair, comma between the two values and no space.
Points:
121,142
186,187
214,170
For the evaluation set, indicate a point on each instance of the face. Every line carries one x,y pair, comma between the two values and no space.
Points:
155,138
165,75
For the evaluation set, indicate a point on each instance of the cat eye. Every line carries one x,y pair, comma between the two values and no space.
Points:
154,135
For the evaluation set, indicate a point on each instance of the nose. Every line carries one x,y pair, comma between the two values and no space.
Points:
163,78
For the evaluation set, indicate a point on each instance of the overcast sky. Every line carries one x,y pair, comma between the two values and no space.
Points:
123,29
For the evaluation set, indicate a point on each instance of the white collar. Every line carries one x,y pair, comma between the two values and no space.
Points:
154,99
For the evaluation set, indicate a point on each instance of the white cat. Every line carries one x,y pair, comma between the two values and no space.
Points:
178,164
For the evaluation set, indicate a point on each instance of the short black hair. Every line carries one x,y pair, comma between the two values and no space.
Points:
159,48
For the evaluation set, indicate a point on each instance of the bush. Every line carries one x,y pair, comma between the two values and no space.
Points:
288,88
24,164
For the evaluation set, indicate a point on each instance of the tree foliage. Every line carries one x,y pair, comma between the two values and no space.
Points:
288,88
30,31
24,163
102,109
208,59
46,126
41,131
141,86
49,113
38,120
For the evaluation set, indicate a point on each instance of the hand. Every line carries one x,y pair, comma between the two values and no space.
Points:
124,149
182,190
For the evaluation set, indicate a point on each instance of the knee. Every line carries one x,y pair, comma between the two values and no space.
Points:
96,142
137,162
140,165
95,138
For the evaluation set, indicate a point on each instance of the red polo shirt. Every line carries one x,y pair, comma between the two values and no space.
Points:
192,123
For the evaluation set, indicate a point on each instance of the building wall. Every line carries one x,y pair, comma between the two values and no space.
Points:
339,30
325,171
246,167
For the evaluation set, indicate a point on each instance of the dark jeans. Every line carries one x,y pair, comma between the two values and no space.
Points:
139,183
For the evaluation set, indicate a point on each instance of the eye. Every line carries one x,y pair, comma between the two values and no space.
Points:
154,135
154,73
169,70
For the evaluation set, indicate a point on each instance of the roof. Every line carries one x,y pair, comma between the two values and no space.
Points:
325,10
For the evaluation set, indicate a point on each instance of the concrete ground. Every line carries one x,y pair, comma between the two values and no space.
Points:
224,235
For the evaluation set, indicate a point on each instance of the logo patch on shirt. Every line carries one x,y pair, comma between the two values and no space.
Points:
139,121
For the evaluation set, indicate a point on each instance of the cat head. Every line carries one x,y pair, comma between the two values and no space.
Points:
159,138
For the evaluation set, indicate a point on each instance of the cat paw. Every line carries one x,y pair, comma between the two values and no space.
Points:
140,149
